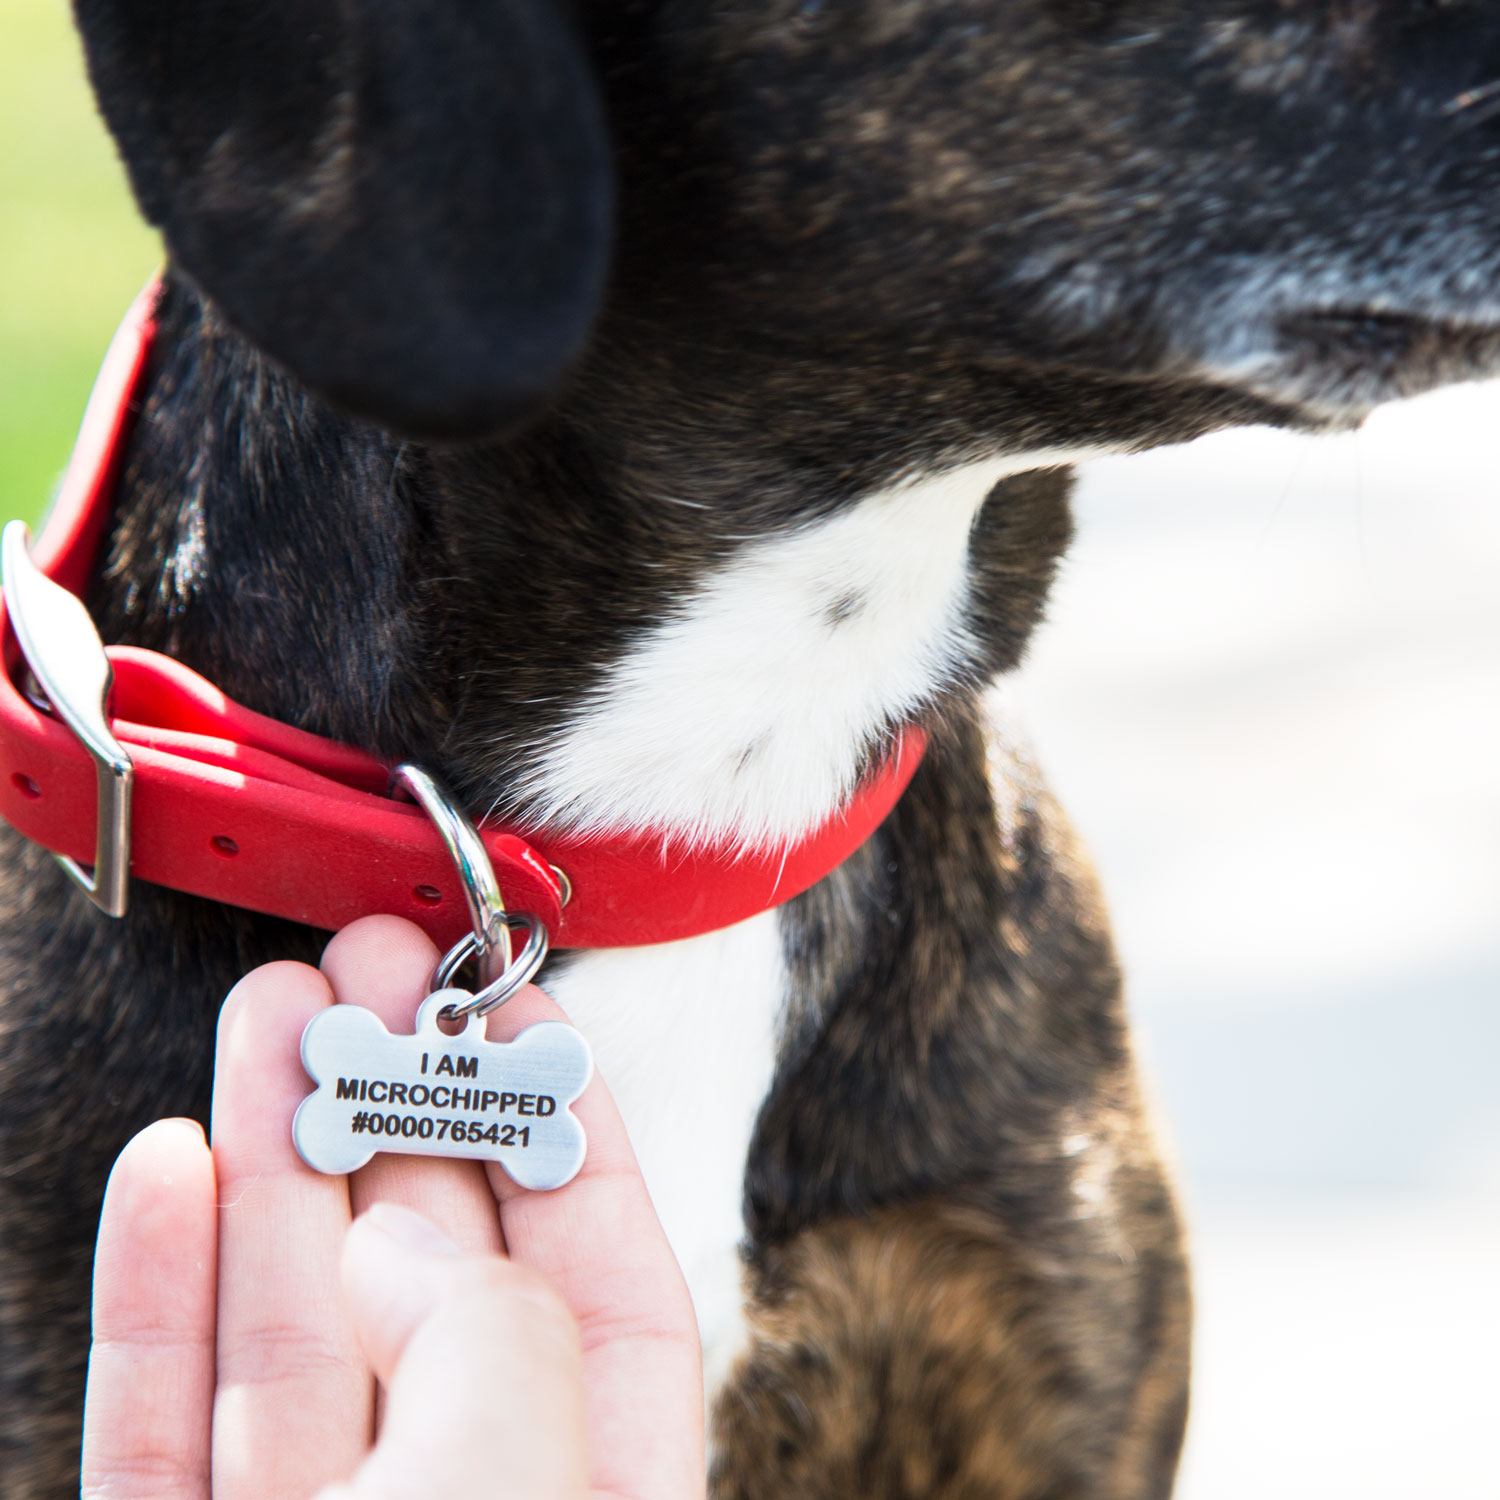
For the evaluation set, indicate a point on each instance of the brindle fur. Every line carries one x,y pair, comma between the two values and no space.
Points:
965,1267
852,241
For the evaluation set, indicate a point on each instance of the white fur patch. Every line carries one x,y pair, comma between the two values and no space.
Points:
685,1035
744,714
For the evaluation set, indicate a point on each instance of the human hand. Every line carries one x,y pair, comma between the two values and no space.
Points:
528,1344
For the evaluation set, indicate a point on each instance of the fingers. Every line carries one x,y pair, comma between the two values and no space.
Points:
151,1368
383,964
294,1401
472,1347
482,1363
599,1242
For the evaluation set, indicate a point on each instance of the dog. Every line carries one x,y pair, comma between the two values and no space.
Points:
644,413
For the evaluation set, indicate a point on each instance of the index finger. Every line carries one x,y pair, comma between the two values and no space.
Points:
598,1240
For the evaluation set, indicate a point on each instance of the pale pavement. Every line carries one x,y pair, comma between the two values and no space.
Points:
1269,695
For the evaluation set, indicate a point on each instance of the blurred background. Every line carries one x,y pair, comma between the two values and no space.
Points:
72,252
1269,694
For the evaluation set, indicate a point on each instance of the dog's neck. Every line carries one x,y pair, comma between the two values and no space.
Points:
576,639
747,711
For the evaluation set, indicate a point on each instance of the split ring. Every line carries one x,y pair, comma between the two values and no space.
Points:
517,973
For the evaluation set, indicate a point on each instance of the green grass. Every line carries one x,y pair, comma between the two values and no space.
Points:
73,250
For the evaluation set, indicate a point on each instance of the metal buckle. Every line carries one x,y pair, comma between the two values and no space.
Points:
67,658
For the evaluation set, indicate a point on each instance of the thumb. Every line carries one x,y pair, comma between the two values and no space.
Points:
481,1363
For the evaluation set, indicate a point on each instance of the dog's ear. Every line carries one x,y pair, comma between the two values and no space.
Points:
406,202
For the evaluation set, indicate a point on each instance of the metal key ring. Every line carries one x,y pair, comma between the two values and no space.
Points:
518,973
487,914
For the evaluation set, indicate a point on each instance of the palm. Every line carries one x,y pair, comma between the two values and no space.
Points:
265,1359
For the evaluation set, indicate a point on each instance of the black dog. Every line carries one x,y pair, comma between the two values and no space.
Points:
642,411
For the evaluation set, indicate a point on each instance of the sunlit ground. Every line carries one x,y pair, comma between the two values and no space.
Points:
1270,697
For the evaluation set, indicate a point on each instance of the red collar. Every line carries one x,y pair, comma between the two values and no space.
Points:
239,808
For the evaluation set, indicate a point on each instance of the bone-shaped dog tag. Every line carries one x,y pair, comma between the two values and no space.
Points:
430,1094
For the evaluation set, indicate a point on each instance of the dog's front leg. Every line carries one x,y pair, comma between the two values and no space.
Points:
965,1277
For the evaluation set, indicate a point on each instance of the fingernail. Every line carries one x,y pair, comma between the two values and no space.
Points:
181,1122
409,1230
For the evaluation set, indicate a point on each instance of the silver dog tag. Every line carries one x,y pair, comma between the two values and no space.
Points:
429,1094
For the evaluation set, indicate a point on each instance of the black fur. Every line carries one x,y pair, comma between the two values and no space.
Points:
854,240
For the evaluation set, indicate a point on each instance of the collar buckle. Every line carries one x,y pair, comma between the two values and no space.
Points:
66,657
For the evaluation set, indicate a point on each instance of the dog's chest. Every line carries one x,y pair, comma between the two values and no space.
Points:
744,716
685,1035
